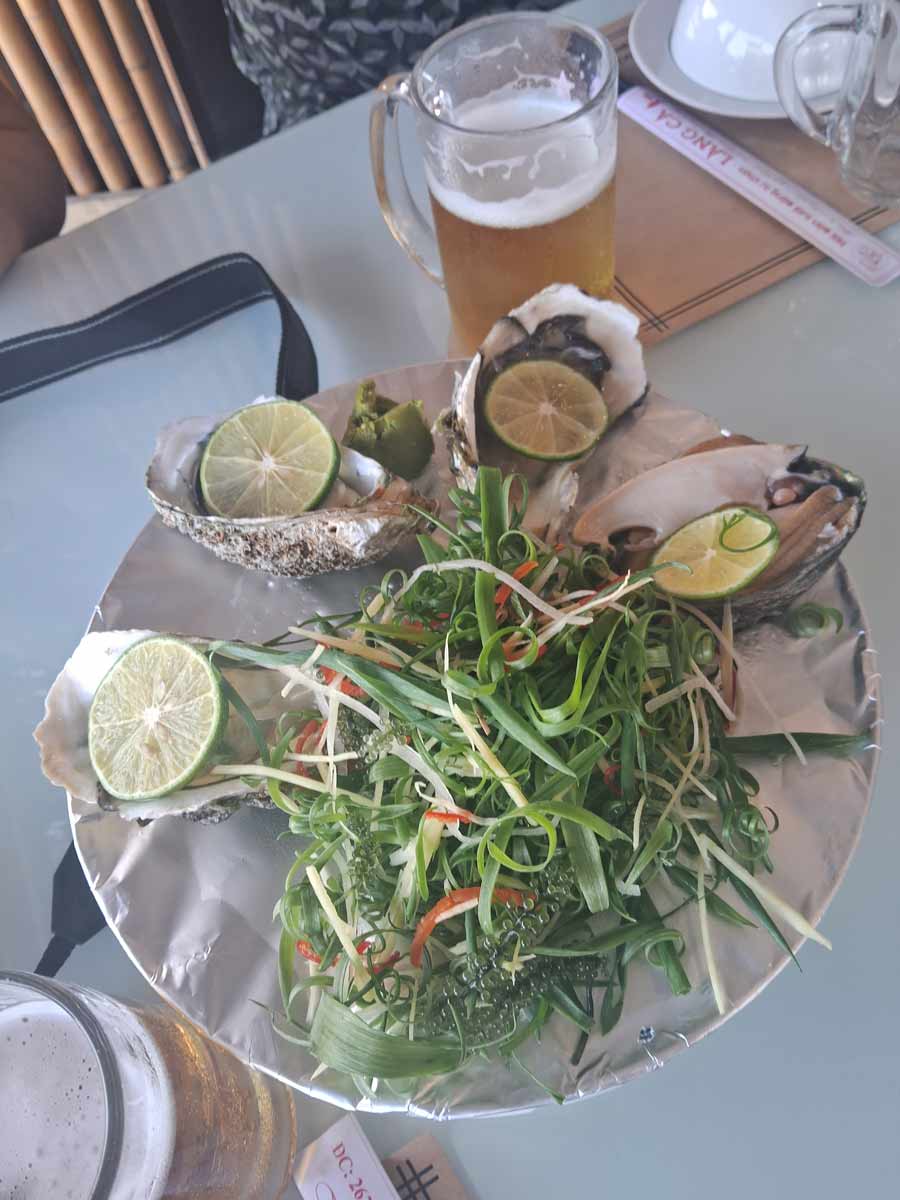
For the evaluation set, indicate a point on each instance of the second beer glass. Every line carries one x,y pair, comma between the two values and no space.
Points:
516,120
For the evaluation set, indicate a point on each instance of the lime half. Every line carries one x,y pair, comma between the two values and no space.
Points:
544,409
268,460
724,550
154,719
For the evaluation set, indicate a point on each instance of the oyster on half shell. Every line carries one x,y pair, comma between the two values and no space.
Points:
596,337
361,520
816,505
63,735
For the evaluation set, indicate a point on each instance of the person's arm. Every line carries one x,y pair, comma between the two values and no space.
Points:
32,186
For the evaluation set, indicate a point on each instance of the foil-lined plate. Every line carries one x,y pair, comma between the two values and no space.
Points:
192,904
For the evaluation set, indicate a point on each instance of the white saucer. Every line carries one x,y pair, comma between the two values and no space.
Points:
648,40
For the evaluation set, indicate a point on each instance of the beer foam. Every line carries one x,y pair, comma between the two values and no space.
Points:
53,1104
541,175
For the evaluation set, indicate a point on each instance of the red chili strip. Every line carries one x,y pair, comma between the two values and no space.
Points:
504,591
447,818
426,926
348,687
305,949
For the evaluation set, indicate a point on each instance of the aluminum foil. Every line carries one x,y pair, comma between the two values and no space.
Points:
192,904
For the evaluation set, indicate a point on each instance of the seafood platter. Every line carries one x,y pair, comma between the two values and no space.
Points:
501,729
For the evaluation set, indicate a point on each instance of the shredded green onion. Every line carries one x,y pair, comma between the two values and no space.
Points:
808,620
488,837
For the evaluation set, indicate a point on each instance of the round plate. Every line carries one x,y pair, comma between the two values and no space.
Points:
192,904
648,40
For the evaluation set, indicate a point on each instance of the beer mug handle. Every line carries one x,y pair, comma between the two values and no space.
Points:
832,18
402,215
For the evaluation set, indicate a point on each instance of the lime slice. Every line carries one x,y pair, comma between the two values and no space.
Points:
268,460
724,550
544,409
154,719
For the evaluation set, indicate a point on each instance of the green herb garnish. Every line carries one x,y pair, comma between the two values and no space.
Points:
808,620
535,775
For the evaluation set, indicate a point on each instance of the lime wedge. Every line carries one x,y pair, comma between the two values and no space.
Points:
154,719
268,460
724,550
544,409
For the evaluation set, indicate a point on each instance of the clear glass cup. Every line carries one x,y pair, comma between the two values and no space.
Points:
516,121
102,1101
863,124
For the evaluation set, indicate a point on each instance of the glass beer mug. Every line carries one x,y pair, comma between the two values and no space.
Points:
102,1101
516,121
863,127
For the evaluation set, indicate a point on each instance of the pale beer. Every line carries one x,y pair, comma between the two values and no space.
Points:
538,210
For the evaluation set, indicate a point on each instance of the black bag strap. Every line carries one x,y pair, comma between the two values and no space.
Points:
162,313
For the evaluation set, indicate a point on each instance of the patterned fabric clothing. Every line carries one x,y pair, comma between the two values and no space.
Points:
307,55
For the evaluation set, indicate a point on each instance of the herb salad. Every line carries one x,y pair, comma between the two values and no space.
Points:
517,770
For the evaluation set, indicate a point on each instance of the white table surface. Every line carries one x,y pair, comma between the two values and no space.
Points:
799,1094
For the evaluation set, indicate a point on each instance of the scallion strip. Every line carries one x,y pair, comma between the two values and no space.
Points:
344,1041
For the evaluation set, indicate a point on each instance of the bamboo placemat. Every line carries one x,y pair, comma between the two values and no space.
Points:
686,245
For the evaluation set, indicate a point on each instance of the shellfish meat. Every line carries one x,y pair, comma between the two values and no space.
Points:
816,505
595,337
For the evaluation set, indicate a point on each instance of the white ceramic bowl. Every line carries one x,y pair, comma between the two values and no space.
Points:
728,45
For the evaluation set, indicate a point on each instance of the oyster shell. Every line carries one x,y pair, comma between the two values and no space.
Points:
817,506
63,735
362,519
596,337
